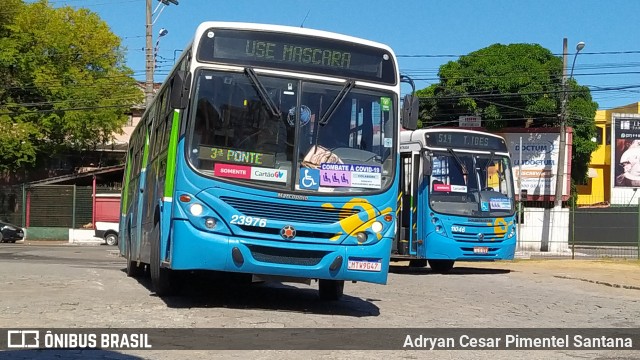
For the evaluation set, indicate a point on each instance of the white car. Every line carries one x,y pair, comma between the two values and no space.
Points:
107,231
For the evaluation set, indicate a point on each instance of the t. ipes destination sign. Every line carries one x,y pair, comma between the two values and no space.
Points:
452,139
290,51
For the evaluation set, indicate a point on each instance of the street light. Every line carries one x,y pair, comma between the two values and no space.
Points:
563,121
161,33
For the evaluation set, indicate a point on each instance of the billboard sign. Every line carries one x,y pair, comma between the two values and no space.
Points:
538,172
625,152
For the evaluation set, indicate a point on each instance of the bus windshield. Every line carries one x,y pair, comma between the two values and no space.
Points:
266,131
471,184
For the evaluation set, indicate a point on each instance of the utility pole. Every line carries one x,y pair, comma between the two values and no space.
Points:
563,131
148,89
562,154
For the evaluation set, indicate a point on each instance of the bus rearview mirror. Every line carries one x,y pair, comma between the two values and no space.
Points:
180,90
523,195
410,110
427,166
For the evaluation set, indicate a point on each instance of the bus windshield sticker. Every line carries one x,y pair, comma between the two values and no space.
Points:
351,168
309,179
450,188
267,174
366,180
385,103
484,206
388,142
250,172
350,175
500,204
442,187
232,171
237,156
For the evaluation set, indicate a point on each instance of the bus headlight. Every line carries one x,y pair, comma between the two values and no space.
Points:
362,237
376,227
210,223
512,232
195,209
438,225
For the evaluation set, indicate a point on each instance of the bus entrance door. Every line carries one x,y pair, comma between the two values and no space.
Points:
408,216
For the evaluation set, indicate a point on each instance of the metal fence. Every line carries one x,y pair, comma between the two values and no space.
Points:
49,206
579,233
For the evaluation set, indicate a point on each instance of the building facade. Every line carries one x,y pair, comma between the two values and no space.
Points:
600,190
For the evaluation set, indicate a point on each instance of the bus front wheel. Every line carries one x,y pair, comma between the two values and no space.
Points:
330,289
441,266
161,278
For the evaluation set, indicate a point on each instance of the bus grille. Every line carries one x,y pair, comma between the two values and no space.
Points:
299,233
286,256
273,211
474,237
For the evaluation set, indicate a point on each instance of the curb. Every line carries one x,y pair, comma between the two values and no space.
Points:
614,285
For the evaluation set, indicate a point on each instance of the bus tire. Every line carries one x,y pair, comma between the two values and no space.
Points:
161,278
133,270
330,290
441,266
418,263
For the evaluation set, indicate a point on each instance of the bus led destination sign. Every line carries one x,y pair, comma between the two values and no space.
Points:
295,52
464,140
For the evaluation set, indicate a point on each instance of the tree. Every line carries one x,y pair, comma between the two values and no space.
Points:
516,85
66,85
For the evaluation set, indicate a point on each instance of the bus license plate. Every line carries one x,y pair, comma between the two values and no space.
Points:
480,250
365,265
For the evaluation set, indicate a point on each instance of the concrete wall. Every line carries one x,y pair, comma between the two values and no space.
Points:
83,236
544,230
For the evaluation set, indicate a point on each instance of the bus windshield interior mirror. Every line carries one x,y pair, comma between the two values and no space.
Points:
180,90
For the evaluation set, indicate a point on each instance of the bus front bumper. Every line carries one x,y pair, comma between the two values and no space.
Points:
444,248
192,249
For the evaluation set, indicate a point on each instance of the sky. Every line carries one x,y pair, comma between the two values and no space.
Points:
424,34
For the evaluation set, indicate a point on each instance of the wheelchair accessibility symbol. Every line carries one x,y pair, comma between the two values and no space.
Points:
309,179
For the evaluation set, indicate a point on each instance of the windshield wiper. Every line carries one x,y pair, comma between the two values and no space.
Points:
262,92
336,102
460,163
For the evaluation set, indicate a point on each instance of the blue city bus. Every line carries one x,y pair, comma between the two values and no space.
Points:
457,193
269,151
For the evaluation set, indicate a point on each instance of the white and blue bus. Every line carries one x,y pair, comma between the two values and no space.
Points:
456,187
268,151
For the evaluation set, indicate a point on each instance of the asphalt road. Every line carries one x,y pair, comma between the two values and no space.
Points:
85,286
